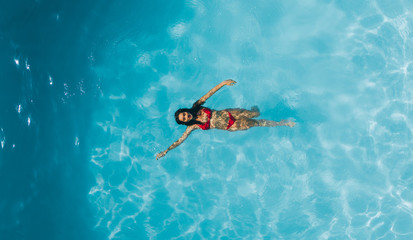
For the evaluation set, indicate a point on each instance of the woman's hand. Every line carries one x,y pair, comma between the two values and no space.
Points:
159,155
229,82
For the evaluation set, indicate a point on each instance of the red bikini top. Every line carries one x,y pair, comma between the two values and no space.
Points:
206,125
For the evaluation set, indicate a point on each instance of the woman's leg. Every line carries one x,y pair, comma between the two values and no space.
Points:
240,113
243,123
246,123
270,123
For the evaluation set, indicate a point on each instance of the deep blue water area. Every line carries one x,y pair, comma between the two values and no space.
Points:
88,90
47,98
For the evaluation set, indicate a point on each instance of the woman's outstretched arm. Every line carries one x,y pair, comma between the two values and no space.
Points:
228,82
188,130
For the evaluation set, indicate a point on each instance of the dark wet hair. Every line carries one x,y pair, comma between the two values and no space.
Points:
193,111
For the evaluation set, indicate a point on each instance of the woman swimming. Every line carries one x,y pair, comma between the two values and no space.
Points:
233,119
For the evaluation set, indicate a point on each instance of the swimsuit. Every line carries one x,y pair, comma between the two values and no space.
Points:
207,125
230,121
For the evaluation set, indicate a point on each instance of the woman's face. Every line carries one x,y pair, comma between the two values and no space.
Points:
184,117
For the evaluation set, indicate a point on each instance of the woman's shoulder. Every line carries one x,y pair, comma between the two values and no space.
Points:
193,127
206,109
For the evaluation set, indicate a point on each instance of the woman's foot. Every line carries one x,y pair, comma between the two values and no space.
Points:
290,124
287,123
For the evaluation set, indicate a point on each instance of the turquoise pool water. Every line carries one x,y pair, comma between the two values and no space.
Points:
90,90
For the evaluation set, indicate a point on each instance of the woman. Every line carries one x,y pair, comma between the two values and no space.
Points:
234,119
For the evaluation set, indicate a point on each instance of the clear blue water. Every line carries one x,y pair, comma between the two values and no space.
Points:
87,96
